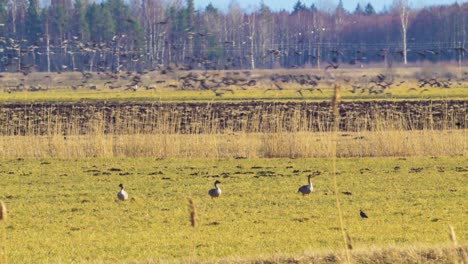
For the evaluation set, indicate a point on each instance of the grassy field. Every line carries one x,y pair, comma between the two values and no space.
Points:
171,95
404,165
66,210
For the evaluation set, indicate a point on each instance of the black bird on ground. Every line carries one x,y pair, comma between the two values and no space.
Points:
362,214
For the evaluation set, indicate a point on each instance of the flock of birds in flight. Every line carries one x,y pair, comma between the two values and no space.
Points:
122,195
224,82
204,74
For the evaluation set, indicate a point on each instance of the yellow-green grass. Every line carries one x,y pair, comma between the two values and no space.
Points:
66,211
173,95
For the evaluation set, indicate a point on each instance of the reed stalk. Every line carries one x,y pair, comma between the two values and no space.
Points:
336,114
193,224
3,219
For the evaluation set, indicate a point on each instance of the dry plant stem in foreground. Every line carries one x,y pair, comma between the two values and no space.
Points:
458,253
193,213
193,224
3,212
453,237
349,241
3,217
334,104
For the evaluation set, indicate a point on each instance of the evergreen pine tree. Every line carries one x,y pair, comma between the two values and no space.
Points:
60,20
340,5
264,10
313,8
211,9
3,13
33,22
120,15
369,9
100,17
298,6
123,21
191,13
340,8
80,27
358,10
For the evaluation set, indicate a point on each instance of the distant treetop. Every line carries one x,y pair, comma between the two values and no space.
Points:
358,10
313,8
298,6
211,9
369,9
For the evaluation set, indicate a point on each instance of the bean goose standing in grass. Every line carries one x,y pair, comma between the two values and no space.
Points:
216,191
122,195
306,189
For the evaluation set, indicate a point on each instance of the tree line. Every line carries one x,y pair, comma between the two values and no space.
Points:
138,35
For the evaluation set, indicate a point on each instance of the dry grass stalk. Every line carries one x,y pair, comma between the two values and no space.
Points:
193,223
335,99
453,237
193,213
3,217
3,211
334,104
349,241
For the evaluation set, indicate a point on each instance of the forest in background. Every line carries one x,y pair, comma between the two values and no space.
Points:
139,35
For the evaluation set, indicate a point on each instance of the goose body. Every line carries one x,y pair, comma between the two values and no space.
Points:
362,214
306,189
216,191
122,195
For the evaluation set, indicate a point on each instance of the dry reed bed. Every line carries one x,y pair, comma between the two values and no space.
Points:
240,145
211,118
227,130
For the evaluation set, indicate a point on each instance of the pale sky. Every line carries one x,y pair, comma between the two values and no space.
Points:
350,5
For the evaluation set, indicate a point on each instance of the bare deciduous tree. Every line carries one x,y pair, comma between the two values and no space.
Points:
403,9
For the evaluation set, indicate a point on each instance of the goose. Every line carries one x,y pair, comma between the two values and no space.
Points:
122,195
216,192
362,214
306,189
